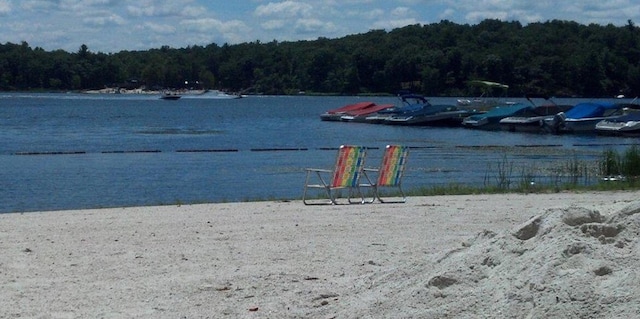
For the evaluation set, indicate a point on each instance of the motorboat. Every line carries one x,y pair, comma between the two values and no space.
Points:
409,102
490,120
430,115
625,125
583,117
532,119
170,96
415,109
362,115
336,114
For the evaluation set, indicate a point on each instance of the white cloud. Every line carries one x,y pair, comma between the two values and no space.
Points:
210,24
193,11
273,24
159,28
447,14
313,25
112,19
401,12
286,9
36,4
5,7
163,8
140,11
392,24
373,14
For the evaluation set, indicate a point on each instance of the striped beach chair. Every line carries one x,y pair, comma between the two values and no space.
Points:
390,172
345,175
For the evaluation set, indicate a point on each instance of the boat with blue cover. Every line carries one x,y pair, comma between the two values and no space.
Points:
583,117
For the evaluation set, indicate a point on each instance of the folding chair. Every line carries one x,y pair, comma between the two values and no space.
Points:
345,175
390,172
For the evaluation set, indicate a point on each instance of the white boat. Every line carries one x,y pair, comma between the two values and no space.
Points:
626,125
170,96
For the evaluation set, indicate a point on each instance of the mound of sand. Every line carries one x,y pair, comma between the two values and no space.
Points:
563,263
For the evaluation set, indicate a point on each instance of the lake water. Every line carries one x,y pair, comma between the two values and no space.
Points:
72,151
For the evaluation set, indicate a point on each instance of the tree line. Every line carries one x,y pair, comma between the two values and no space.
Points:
555,58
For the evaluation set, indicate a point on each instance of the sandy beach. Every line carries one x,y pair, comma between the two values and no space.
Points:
564,255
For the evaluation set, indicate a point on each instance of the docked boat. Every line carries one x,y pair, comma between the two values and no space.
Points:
490,120
532,119
362,115
626,125
408,103
430,115
336,114
583,117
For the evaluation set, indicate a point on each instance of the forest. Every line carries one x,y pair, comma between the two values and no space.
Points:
555,58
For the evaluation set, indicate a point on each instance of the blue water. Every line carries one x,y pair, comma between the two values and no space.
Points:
71,151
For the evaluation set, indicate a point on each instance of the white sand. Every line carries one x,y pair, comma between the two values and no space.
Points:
432,257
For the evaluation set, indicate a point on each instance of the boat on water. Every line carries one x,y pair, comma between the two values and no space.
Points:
409,103
532,119
583,117
362,115
170,96
625,125
490,120
336,114
422,112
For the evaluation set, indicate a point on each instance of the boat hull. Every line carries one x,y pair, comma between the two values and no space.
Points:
453,118
522,124
627,126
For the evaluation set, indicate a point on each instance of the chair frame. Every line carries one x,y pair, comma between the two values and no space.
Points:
346,174
390,172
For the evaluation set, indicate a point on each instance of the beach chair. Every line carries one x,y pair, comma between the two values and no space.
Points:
345,175
390,172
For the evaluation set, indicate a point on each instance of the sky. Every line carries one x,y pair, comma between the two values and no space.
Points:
111,26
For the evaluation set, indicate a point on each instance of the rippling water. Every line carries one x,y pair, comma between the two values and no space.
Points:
69,151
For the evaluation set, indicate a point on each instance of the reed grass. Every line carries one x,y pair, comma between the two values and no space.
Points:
611,171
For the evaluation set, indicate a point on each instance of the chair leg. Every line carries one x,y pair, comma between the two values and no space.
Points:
331,195
362,200
375,195
403,200
304,192
404,197
327,190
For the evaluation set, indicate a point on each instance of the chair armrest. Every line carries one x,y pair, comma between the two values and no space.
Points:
318,170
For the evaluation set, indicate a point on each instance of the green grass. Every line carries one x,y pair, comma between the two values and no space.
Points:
572,175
